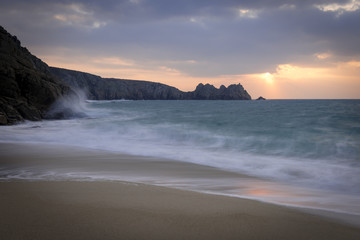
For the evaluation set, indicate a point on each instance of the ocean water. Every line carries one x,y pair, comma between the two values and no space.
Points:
313,145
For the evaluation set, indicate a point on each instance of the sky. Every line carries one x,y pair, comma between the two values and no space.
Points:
294,49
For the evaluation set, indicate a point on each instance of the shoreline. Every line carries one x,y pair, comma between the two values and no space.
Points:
40,157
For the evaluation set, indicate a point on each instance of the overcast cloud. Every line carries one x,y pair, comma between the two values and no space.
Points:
199,38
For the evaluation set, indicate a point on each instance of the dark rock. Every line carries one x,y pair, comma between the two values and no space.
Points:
28,112
3,119
27,88
205,92
260,98
7,109
209,92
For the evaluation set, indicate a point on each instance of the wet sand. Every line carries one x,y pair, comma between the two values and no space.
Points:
123,210
115,210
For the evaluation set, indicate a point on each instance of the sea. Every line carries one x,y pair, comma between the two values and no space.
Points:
303,153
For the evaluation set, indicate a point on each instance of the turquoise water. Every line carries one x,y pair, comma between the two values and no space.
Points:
328,130
313,144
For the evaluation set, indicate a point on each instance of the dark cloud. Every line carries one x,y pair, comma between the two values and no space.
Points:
212,33
154,9
341,34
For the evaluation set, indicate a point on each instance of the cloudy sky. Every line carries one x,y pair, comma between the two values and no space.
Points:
274,48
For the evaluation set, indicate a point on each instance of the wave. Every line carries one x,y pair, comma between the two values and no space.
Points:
305,151
69,106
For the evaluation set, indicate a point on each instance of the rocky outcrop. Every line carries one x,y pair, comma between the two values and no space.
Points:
98,88
260,98
209,92
27,88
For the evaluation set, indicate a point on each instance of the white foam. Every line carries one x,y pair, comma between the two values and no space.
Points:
119,126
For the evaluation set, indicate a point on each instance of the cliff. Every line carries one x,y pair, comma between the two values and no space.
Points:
98,88
31,90
27,88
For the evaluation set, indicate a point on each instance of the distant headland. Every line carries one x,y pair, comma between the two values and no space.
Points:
29,87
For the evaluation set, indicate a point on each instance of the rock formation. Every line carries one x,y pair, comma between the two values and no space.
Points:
31,90
27,88
209,92
98,88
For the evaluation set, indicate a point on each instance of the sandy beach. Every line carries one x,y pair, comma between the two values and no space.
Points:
126,210
113,210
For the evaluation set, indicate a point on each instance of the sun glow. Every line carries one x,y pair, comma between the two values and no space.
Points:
269,78
287,81
259,192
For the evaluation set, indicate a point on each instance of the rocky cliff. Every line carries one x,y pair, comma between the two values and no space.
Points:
27,88
30,90
98,88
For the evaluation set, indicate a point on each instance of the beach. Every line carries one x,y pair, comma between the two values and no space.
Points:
99,209
189,120
114,210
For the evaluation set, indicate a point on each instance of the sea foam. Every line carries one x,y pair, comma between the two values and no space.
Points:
308,144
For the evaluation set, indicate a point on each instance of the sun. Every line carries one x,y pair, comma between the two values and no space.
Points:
268,77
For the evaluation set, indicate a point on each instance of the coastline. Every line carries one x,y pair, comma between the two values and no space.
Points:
95,208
